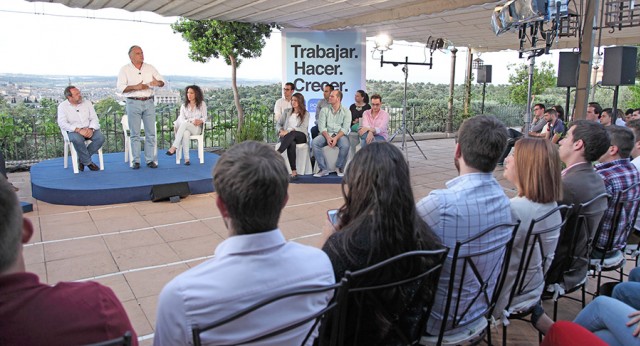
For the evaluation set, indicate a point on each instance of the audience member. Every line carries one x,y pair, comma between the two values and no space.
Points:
629,292
357,109
333,125
193,113
374,123
606,117
555,126
613,321
560,110
567,333
34,313
537,124
284,103
534,161
593,111
471,203
377,221
324,103
253,263
634,125
618,174
292,130
585,142
136,81
78,118
636,114
628,115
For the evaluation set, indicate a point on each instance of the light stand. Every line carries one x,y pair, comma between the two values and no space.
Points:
403,128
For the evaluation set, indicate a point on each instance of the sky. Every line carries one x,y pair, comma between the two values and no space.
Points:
52,39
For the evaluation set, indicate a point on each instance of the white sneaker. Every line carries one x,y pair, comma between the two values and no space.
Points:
322,173
340,172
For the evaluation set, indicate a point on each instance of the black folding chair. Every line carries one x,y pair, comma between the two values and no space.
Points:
621,203
367,287
124,340
300,323
533,245
486,265
588,218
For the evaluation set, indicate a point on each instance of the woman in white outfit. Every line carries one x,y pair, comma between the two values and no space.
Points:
193,113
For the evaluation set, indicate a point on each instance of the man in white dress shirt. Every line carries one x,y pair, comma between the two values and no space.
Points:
136,81
283,103
79,119
255,261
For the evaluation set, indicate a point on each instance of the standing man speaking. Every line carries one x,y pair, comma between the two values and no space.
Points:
135,82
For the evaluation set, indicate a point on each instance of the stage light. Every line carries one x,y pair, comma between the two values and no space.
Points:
528,10
383,42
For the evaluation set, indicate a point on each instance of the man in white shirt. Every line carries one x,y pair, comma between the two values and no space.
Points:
79,119
283,103
136,81
255,262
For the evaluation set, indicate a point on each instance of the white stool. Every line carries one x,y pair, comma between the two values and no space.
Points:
303,162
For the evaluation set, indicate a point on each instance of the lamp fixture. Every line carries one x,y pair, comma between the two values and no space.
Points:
383,42
477,63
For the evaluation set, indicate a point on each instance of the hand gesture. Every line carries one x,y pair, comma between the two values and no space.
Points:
141,86
155,82
635,318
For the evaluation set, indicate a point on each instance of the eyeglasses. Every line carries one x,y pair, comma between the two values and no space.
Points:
376,104
285,89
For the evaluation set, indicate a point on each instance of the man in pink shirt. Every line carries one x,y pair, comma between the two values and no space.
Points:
374,124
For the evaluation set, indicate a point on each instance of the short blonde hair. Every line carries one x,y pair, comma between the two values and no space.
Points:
538,170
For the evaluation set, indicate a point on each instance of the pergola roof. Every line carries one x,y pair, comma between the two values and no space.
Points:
464,22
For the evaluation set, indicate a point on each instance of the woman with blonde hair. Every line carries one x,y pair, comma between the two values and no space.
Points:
535,170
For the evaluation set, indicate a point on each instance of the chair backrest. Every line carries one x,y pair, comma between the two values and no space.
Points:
312,319
124,340
533,250
588,222
125,124
625,204
400,297
65,135
483,260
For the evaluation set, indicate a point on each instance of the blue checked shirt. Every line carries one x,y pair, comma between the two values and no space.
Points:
470,204
618,175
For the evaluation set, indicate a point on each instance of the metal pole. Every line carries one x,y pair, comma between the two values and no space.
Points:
484,86
449,124
566,104
615,105
586,59
527,115
405,69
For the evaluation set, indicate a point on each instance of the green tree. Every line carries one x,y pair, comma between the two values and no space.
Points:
544,77
231,40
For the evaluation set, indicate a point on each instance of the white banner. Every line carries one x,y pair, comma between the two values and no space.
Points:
313,59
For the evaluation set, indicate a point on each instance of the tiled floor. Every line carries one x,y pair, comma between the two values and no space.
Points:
137,248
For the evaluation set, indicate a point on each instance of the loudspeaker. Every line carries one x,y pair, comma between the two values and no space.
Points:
619,66
166,191
568,69
484,74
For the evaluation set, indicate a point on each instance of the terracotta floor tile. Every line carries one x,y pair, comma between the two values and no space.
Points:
167,217
65,218
147,283
81,267
138,319
116,224
132,239
119,285
39,269
112,212
74,248
297,228
184,231
149,306
196,247
64,231
144,256
217,226
45,208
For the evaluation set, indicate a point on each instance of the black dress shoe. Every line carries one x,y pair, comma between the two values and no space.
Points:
92,166
170,153
136,165
187,163
80,166
152,165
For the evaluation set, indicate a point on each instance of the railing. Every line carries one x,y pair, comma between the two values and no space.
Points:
30,139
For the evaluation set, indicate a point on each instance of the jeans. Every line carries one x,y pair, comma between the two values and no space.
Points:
85,152
321,142
185,130
376,138
145,112
607,317
629,292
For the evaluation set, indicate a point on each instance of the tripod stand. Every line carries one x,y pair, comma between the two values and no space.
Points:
403,128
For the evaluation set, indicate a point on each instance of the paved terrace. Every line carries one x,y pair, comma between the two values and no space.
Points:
137,248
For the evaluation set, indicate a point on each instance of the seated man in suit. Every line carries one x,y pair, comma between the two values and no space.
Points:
253,263
34,313
79,119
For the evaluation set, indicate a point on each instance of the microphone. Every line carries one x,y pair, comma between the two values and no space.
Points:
77,110
139,72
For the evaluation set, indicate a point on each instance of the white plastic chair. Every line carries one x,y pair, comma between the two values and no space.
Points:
128,155
200,139
68,147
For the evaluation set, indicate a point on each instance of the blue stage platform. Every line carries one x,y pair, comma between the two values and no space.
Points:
118,183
